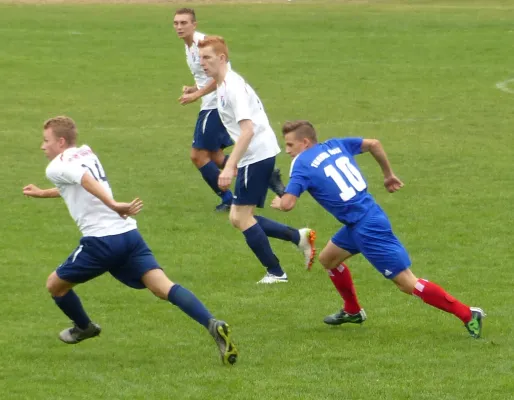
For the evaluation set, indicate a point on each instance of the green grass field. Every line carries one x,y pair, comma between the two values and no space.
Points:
420,76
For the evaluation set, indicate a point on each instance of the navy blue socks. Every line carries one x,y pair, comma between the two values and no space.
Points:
71,306
259,243
278,231
189,304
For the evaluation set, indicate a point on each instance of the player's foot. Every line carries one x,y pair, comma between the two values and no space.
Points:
343,317
223,207
75,334
276,184
226,202
220,331
474,326
270,278
306,245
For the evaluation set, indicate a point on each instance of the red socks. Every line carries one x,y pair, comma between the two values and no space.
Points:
435,295
342,280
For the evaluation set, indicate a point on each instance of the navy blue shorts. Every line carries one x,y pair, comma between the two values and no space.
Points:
252,183
374,238
125,256
210,133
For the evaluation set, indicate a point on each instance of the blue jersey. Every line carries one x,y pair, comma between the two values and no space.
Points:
330,174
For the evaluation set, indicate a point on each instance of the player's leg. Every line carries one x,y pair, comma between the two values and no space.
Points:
204,143
387,254
332,258
437,297
142,270
303,238
241,217
250,192
219,158
160,285
81,266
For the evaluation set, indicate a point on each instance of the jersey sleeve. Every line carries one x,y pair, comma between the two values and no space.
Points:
66,173
298,180
240,100
352,144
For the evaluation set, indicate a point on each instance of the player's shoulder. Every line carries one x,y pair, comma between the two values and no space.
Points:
233,78
197,36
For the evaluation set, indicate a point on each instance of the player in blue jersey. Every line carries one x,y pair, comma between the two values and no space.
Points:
110,240
329,172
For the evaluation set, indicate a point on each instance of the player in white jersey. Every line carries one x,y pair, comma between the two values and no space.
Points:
252,161
110,240
210,136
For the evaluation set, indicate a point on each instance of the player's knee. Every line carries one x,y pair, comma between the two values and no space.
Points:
199,157
158,283
407,289
235,220
327,261
55,287
405,281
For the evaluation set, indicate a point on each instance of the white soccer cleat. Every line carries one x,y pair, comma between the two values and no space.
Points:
306,245
270,278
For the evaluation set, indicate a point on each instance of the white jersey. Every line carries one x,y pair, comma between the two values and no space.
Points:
238,101
92,216
201,80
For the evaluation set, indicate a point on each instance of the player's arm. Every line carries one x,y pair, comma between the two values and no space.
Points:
96,189
391,181
285,203
246,126
192,95
33,191
229,171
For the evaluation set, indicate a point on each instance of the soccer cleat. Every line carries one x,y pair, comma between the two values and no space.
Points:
270,278
223,207
474,326
75,334
220,331
306,245
275,183
343,317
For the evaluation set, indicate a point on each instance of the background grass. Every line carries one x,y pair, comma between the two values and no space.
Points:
418,75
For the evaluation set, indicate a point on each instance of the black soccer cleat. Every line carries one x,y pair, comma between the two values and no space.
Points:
343,317
75,335
275,183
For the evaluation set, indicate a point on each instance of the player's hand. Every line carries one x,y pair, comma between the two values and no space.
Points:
393,183
187,98
189,89
32,191
225,178
275,203
126,210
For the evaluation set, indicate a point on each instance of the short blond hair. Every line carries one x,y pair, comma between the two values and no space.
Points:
302,129
216,42
62,127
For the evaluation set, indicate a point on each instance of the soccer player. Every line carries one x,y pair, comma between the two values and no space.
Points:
110,240
252,160
328,171
210,136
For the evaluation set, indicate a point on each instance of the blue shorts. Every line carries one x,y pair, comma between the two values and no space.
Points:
125,256
210,133
252,183
374,238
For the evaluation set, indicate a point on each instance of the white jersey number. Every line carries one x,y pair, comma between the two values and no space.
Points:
351,173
